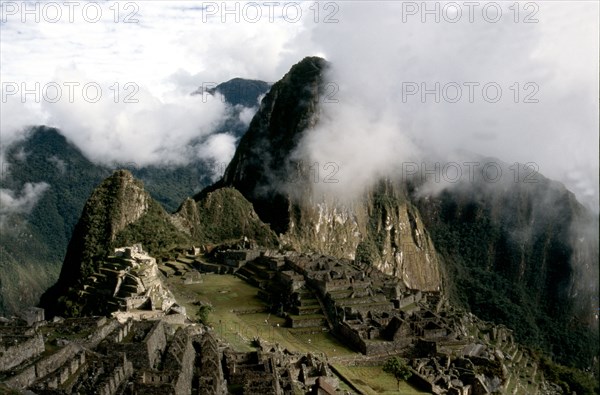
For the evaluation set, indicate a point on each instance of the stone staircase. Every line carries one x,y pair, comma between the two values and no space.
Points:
256,273
524,377
307,314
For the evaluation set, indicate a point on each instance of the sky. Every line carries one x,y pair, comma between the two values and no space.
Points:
410,81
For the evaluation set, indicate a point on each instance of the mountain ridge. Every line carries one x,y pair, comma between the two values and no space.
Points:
487,245
33,251
461,241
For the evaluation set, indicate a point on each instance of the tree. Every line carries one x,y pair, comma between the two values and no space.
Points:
397,367
203,311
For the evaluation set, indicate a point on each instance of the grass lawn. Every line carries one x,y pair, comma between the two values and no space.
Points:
373,380
228,293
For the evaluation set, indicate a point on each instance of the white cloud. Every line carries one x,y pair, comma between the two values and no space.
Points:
219,149
374,128
246,115
168,54
21,203
139,127
172,51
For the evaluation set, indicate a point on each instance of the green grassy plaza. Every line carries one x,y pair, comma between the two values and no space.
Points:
239,315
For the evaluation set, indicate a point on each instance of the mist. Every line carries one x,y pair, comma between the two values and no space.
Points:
22,202
146,114
413,92
372,120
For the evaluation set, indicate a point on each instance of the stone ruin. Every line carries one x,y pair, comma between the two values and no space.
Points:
377,315
101,355
104,356
141,351
129,284
272,370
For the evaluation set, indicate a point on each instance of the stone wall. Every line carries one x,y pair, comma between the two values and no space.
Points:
100,334
26,347
122,372
384,347
413,298
121,332
23,379
211,381
66,371
135,302
351,337
54,361
155,342
32,315
305,323
422,383
43,367
155,389
236,258
180,360
144,346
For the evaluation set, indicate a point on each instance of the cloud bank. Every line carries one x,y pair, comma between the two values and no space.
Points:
413,90
20,203
165,53
388,60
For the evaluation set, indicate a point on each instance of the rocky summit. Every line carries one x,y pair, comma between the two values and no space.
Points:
261,283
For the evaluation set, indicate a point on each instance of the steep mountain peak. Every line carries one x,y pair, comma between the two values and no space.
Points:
261,162
119,201
381,228
121,212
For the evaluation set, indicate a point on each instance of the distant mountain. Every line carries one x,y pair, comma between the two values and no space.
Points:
33,244
240,91
242,94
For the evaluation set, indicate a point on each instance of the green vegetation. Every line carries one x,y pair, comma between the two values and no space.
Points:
239,315
570,379
226,215
154,231
170,185
34,243
397,367
515,281
372,380
235,318
203,311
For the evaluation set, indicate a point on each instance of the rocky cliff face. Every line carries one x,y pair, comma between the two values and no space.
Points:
382,227
514,252
119,201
